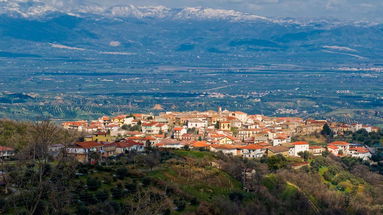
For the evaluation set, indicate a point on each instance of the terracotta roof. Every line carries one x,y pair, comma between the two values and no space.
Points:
105,118
263,144
120,117
149,124
199,144
278,149
89,144
178,128
300,143
360,150
252,147
216,135
5,148
135,138
332,147
340,143
240,112
231,138
150,138
168,142
225,146
127,144
231,118
315,147
159,135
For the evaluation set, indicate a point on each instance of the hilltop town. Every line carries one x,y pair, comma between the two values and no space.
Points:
229,132
211,162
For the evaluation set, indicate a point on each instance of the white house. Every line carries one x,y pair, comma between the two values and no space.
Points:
6,152
339,148
129,145
197,123
253,151
281,139
128,120
178,132
226,149
240,115
360,152
296,147
154,128
170,144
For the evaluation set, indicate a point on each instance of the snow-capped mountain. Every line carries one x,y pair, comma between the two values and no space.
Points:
35,27
39,8
209,13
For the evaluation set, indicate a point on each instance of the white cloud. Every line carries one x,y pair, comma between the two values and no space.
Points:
59,46
340,48
118,53
114,43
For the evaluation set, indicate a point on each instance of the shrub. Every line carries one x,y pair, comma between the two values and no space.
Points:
180,204
102,195
131,187
236,197
194,201
277,162
93,183
82,210
121,173
116,193
146,181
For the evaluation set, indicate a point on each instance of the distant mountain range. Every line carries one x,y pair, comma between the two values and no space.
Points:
37,9
188,36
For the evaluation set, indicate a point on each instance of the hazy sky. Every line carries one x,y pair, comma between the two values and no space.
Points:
345,9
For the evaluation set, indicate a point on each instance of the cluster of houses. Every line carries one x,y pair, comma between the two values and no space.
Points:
236,133
6,152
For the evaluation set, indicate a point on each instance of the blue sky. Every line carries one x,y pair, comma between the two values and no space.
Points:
371,10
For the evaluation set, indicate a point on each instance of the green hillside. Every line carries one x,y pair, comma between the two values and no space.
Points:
193,182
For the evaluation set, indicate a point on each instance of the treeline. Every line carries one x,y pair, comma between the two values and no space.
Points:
19,135
362,136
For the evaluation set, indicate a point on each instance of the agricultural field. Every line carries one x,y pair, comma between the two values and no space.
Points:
67,91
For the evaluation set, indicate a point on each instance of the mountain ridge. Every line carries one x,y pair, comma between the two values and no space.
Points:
36,9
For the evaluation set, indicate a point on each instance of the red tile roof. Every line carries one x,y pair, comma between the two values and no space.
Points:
5,148
105,118
120,117
332,147
361,150
231,138
150,138
300,143
150,124
199,144
225,146
315,147
127,144
252,147
340,143
89,144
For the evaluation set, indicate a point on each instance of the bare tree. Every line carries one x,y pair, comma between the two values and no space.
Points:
36,178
